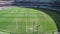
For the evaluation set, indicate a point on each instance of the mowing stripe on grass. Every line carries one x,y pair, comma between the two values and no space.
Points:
25,20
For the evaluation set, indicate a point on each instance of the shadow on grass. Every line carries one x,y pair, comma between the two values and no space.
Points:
54,14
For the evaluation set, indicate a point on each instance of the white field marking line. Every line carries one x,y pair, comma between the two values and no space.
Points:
26,21
16,24
36,23
33,25
4,30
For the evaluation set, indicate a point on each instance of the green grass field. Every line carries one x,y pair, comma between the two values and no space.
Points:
26,21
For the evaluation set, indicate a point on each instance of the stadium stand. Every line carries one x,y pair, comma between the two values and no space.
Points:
6,2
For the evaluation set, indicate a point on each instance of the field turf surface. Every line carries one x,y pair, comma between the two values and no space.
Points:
26,21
